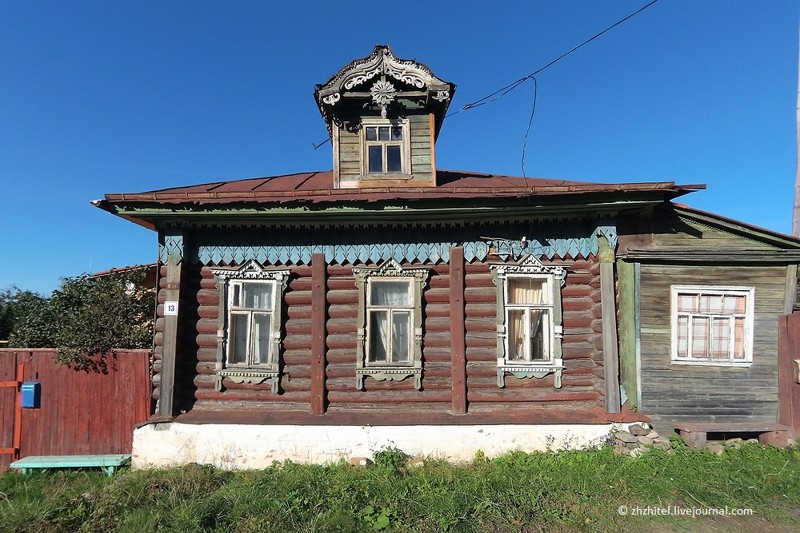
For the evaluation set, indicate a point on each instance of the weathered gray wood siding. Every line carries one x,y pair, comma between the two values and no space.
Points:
349,150
672,392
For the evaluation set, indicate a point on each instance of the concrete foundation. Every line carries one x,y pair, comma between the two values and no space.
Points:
231,446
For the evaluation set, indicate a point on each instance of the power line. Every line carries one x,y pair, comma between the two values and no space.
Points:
513,85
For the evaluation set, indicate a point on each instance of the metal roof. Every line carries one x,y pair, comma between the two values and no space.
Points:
317,187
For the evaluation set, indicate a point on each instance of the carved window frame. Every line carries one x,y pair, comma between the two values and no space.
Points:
405,148
417,278
249,272
553,278
748,317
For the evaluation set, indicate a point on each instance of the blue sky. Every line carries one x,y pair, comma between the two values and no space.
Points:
99,97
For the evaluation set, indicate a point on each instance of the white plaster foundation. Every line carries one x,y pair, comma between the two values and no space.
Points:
232,446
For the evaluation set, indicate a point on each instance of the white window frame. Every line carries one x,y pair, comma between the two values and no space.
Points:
404,143
228,279
390,310
389,270
529,267
233,309
547,306
749,315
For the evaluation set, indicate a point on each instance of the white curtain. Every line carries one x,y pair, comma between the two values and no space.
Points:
524,292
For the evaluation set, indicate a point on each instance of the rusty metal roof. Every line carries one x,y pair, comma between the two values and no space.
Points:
317,187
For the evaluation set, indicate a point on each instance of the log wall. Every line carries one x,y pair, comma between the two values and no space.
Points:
582,387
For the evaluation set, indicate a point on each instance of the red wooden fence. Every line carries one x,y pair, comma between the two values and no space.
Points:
788,386
80,412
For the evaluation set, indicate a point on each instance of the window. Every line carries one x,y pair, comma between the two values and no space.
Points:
386,147
249,333
250,307
389,325
712,325
389,344
529,319
529,316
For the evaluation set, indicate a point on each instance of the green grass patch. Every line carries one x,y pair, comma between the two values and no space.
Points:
565,491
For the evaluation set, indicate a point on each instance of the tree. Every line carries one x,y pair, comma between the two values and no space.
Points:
87,317
24,319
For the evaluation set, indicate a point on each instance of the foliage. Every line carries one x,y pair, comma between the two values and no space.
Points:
86,317
25,314
565,491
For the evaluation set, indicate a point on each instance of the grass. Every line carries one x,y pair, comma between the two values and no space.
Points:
566,491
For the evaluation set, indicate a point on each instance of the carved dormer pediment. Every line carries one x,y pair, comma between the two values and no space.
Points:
373,108
381,79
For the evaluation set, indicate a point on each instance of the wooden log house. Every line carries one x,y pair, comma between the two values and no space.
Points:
387,302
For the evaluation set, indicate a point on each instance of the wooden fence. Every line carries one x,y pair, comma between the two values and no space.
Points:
80,412
788,386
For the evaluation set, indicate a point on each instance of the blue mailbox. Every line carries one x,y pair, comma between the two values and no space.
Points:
31,394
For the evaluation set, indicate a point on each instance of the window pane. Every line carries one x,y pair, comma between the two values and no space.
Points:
236,295
397,133
700,337
738,338
372,133
393,159
720,337
383,134
378,336
538,328
376,159
711,304
525,291
516,334
687,303
734,305
390,293
261,333
683,336
401,333
237,352
258,295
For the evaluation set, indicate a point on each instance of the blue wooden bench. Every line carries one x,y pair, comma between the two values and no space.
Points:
109,463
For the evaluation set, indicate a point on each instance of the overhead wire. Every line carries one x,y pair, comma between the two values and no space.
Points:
499,93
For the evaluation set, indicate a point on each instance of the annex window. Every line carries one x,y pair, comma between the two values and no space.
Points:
389,344
386,147
528,319
248,347
712,325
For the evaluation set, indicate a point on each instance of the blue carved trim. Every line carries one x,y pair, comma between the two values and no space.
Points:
170,246
284,246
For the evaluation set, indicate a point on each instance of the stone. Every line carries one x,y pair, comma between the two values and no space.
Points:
653,434
624,436
715,448
620,449
360,461
664,445
638,452
645,440
638,429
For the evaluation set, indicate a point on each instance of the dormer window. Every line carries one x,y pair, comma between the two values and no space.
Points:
385,147
372,108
